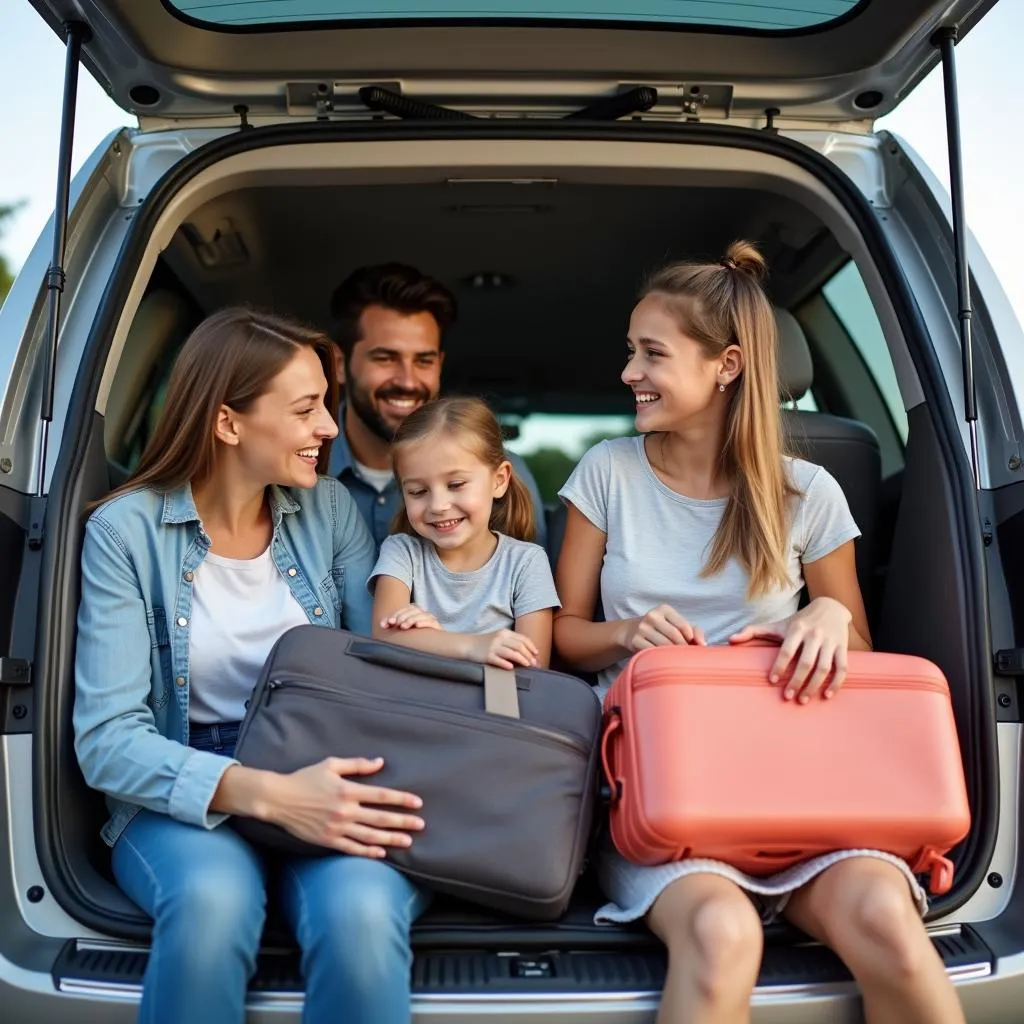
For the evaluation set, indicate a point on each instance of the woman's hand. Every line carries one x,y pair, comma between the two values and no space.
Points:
820,635
660,627
411,616
321,805
503,648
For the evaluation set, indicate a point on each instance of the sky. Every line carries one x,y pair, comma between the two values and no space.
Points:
990,71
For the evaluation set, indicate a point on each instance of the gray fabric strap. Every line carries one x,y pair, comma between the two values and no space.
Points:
500,694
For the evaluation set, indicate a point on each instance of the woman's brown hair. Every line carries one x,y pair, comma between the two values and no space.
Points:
718,305
229,359
471,422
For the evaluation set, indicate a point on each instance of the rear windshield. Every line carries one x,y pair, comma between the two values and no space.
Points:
746,15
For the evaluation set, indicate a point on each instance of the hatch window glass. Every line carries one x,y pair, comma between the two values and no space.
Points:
849,299
745,15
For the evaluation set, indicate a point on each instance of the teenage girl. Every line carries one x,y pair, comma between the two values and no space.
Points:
700,530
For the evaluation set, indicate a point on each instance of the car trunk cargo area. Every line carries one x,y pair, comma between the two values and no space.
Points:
545,255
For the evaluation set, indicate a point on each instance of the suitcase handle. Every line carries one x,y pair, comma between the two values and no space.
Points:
500,685
939,870
613,726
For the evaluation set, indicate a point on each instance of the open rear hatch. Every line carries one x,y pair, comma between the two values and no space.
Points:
184,62
836,61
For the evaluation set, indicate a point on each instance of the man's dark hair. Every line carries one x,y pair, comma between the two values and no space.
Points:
394,286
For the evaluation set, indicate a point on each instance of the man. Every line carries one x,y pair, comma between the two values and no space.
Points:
389,323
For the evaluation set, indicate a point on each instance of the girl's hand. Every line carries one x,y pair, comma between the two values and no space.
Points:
411,616
660,627
820,634
504,648
321,805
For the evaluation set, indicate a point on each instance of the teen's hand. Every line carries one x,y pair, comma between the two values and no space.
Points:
321,805
817,638
412,616
660,627
503,648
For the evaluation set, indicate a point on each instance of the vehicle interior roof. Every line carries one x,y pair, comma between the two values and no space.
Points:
572,258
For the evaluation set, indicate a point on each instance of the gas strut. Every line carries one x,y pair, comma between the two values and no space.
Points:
945,40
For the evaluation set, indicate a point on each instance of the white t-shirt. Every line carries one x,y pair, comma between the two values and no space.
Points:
240,607
659,541
378,479
515,581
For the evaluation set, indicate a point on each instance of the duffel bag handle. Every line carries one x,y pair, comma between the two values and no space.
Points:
501,696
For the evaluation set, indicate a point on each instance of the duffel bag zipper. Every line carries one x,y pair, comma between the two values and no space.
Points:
573,742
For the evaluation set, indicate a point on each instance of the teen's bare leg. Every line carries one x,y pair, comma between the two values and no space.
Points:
863,909
714,940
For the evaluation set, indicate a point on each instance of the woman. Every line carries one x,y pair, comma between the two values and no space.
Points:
225,537
701,531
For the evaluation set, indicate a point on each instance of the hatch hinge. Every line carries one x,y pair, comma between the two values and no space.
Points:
323,98
695,100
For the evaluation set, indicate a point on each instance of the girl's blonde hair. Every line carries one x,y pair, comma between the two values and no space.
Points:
718,305
472,423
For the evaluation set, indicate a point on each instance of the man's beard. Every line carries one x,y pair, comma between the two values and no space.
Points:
363,407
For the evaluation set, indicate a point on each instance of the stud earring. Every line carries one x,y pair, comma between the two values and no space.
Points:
721,387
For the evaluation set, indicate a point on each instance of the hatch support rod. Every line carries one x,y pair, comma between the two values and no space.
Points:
77,34
945,40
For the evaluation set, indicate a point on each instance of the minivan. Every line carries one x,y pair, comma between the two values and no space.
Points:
538,156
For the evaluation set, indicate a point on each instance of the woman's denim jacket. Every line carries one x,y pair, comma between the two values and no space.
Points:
131,665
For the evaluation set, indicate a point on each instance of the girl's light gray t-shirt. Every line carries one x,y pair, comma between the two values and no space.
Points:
515,581
659,541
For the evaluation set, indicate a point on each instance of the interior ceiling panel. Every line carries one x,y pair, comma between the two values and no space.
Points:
573,258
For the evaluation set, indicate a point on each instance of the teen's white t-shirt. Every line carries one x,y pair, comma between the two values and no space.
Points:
240,607
659,541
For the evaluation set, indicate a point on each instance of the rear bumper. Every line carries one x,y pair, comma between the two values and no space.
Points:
990,993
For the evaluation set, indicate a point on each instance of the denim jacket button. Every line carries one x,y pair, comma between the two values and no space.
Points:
318,611
182,621
189,576
382,499
180,681
292,571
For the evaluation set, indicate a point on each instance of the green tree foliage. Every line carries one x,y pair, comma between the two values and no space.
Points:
6,271
551,466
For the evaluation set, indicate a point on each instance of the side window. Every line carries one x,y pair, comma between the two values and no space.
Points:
806,402
551,445
848,298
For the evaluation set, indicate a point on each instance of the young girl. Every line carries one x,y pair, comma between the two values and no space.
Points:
701,531
459,576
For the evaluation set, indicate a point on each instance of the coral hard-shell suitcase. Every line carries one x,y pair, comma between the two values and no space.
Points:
706,759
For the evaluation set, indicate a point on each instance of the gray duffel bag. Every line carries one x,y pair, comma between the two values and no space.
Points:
506,763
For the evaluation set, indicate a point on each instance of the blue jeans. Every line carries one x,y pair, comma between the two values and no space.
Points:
206,891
